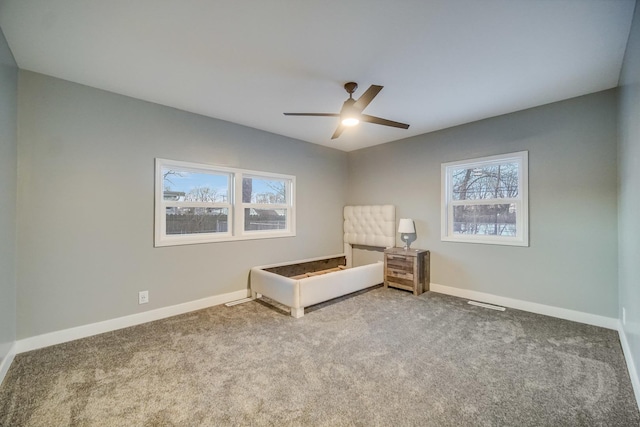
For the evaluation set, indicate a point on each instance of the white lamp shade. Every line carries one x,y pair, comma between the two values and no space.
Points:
406,226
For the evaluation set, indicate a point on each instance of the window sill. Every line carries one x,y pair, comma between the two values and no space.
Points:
182,240
503,241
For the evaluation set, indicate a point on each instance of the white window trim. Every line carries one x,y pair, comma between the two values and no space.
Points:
235,216
522,203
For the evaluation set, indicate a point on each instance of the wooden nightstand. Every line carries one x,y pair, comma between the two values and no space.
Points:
408,270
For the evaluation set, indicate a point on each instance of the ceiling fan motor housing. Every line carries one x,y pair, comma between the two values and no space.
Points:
350,87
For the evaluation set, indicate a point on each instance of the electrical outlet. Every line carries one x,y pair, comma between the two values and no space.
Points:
624,316
143,297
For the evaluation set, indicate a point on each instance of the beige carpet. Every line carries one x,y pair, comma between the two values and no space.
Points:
382,357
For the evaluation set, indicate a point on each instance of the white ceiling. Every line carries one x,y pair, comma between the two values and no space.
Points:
441,62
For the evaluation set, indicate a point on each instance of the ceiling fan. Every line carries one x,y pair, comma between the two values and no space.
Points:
351,112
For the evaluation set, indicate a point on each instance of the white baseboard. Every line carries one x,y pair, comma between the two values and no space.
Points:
628,357
59,337
547,310
6,362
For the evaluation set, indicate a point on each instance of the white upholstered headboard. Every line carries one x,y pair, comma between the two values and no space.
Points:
369,225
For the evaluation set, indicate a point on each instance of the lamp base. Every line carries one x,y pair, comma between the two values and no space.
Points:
407,242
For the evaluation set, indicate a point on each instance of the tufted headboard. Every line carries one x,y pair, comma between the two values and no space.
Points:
369,225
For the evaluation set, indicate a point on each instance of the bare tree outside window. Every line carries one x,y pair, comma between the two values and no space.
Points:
166,177
484,183
204,194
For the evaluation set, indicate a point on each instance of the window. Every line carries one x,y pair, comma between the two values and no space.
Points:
485,200
264,201
197,203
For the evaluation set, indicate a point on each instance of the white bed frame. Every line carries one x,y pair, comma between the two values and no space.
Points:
372,225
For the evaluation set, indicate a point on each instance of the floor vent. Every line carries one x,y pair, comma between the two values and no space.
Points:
485,305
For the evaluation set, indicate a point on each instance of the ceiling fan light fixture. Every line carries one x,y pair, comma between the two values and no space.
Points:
350,115
350,121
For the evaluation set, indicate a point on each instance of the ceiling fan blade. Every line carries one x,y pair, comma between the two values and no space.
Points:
367,97
338,131
377,120
313,114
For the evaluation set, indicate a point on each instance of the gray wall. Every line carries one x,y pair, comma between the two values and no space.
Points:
86,194
8,163
572,258
629,190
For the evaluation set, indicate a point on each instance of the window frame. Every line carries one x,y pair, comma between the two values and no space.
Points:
235,216
522,201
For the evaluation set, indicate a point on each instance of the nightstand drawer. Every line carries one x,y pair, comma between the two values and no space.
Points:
397,282
402,274
400,262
